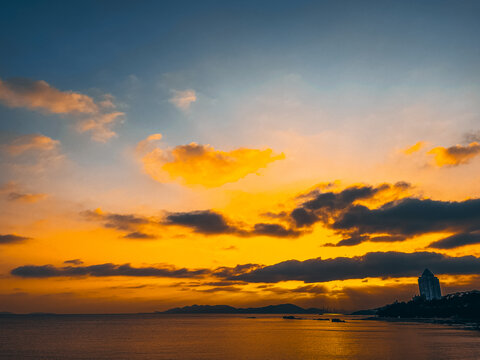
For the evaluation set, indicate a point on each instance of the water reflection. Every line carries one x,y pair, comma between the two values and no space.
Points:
228,337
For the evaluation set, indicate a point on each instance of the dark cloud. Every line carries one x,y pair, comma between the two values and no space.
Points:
358,239
473,136
351,241
209,222
374,264
108,269
302,217
222,283
272,215
329,207
457,240
73,262
387,238
325,206
274,230
411,216
139,235
455,155
25,197
12,239
221,288
344,198
123,222
307,289
228,272
203,222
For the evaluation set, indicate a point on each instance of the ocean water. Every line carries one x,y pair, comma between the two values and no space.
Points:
228,337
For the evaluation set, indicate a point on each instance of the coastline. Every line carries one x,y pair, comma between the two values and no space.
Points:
465,324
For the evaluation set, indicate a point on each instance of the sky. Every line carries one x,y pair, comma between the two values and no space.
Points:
161,154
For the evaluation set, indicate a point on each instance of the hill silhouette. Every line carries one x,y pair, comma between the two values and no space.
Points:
226,309
461,305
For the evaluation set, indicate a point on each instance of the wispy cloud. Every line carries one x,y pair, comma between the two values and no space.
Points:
414,148
92,116
100,126
33,153
15,192
12,239
31,142
26,197
39,95
182,99
130,223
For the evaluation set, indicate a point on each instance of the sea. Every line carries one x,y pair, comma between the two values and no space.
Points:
229,337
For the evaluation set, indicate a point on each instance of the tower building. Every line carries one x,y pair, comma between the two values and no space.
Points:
429,286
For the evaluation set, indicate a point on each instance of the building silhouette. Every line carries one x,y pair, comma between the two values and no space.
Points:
429,286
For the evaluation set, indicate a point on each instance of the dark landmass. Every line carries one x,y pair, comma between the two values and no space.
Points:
225,309
365,312
462,305
8,313
460,309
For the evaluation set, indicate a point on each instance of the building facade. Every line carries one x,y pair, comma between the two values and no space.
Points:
429,286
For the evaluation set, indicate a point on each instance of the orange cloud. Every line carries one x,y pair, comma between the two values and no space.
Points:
183,99
25,197
32,153
148,143
31,142
100,126
455,155
413,149
196,164
14,192
39,95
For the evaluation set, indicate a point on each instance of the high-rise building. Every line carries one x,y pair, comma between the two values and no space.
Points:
429,286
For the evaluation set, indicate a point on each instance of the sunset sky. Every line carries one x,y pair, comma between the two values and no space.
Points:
156,154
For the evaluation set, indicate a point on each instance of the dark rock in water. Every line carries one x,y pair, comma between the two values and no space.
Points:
251,317
336,320
291,317
322,319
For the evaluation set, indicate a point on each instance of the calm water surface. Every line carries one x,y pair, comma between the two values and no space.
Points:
228,337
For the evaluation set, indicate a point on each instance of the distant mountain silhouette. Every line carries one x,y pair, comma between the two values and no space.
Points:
225,309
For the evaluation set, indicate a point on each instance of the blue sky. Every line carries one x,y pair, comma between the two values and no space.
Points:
228,50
